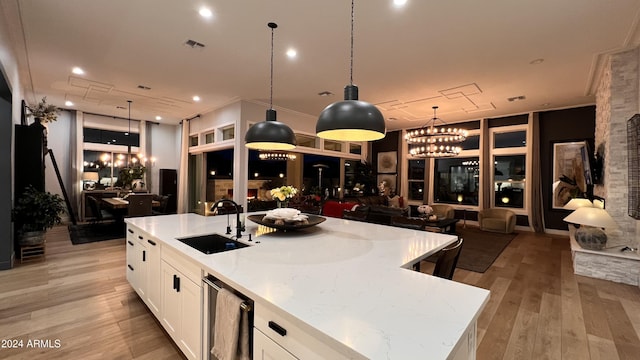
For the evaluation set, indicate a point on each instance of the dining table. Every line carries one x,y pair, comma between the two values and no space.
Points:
120,203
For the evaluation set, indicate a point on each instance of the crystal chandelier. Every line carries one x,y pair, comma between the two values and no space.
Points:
429,141
276,156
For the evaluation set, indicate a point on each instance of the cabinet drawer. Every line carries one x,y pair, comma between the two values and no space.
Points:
293,338
186,267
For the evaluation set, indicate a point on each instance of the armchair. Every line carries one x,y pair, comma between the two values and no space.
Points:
497,220
443,211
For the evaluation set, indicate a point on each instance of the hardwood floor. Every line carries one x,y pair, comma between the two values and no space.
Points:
538,308
79,296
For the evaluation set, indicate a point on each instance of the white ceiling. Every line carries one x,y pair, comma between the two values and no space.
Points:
466,56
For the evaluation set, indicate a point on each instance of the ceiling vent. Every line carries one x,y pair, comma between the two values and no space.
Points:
325,93
142,87
516,98
194,44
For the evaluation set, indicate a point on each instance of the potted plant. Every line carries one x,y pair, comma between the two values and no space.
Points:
43,112
35,212
128,175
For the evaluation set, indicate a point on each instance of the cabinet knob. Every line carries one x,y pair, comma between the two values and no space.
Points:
130,231
130,243
151,242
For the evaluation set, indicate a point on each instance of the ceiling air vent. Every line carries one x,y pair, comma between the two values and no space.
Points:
325,93
516,98
142,87
194,44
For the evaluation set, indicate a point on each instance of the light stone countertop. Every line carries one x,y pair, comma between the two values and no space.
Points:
348,283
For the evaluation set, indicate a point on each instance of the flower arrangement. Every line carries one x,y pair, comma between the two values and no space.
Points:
425,209
283,192
44,111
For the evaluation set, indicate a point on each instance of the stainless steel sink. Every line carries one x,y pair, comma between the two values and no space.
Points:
211,243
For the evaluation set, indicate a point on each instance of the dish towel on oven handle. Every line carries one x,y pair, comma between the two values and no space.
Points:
231,328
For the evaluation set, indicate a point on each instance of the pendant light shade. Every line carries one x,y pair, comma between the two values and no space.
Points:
270,134
351,119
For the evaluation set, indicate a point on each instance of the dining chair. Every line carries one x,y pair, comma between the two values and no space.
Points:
99,215
140,205
447,260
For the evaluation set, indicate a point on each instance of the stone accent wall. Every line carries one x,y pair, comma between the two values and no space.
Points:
617,99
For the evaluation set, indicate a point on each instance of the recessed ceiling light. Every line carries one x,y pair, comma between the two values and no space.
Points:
536,61
68,103
545,104
399,3
292,53
78,71
158,117
196,98
205,12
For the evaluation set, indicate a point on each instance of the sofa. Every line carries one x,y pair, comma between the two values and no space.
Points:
497,220
373,208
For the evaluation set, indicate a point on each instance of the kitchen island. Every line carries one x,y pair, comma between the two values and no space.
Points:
342,289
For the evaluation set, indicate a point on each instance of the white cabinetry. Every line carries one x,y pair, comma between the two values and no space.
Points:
283,334
170,286
266,349
137,263
181,303
153,261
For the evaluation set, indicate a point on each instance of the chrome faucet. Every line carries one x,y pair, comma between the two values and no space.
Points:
239,227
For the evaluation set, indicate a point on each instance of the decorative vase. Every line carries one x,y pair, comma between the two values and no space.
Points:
283,203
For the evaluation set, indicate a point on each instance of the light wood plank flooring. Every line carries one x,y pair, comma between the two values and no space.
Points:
538,308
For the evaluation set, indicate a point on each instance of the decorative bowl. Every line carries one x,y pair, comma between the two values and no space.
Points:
287,225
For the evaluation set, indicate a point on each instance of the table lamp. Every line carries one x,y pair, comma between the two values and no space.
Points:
90,179
590,235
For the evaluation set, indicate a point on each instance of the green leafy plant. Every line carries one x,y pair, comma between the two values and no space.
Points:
37,210
130,173
44,111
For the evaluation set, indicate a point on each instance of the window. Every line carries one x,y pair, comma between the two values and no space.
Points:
508,180
355,148
306,141
193,140
332,145
416,179
456,180
512,139
98,136
209,138
472,142
228,133
508,154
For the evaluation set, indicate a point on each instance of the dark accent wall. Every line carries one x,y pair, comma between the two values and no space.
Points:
509,120
561,126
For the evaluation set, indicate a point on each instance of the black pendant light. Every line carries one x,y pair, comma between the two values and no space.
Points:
270,134
351,119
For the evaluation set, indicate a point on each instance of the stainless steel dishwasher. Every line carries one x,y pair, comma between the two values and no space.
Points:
212,285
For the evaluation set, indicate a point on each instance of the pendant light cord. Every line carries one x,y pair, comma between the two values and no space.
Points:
351,64
272,26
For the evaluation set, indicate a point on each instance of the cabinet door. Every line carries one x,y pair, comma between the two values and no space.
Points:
154,280
170,301
190,327
131,262
141,269
266,349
